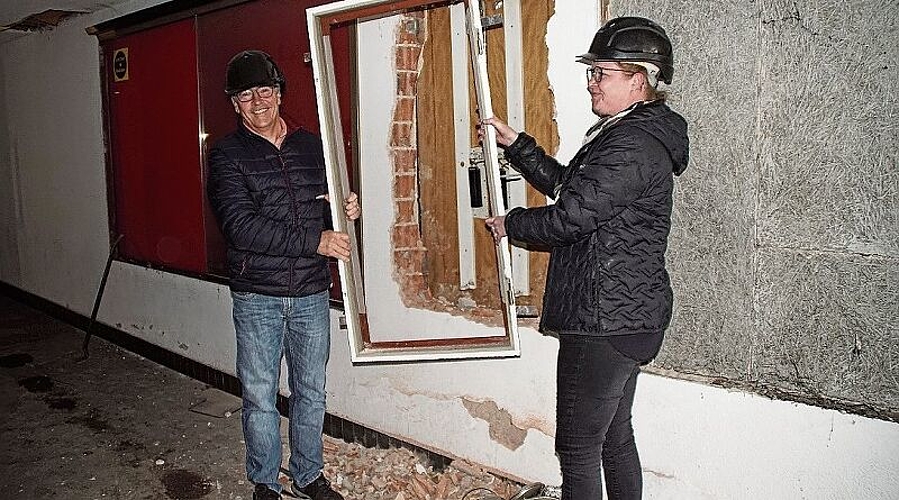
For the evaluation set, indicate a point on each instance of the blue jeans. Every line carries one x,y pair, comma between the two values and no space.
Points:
595,393
299,328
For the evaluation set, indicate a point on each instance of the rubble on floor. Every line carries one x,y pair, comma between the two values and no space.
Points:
364,473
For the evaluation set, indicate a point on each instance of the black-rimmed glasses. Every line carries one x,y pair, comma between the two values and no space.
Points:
596,73
264,92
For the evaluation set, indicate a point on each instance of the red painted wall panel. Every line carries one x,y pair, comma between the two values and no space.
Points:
154,147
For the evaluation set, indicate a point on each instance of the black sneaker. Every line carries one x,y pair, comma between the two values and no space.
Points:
262,492
320,489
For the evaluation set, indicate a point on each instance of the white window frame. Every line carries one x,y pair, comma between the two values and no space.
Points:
319,20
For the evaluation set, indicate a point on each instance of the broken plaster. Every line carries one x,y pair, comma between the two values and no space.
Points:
501,422
502,430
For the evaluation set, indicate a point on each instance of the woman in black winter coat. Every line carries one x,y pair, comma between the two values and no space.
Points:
608,296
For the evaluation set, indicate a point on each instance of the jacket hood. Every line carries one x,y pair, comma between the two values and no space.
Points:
668,127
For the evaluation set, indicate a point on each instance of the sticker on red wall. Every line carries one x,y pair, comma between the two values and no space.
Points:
120,65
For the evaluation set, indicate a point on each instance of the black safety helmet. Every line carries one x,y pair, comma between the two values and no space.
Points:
252,68
632,39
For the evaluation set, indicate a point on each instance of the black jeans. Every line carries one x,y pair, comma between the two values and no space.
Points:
595,392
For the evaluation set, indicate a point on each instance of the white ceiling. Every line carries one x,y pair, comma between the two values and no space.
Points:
13,11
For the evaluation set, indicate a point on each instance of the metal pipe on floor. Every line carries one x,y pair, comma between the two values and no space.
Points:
90,326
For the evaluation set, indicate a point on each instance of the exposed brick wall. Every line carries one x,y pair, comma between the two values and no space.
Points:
408,249
419,287
410,263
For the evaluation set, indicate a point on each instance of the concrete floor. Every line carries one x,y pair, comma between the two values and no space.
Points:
116,425
113,425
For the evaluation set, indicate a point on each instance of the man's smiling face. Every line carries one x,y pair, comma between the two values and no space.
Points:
260,114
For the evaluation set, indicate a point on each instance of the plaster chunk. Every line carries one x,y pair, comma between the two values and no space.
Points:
502,430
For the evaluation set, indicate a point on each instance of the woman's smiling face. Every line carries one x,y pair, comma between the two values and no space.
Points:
611,88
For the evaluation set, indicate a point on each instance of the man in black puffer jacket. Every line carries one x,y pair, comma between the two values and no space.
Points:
608,295
268,189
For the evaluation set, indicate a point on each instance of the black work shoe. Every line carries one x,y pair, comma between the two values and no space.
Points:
320,489
262,492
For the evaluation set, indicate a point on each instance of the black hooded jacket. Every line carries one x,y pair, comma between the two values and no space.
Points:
608,228
269,207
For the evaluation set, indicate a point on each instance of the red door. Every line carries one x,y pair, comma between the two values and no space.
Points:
154,146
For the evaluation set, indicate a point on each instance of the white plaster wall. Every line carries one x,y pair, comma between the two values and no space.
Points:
55,165
697,442
55,222
568,35
700,442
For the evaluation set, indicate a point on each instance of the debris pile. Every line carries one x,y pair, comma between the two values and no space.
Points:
361,473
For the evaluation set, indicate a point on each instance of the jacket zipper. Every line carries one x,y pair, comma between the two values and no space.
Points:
294,212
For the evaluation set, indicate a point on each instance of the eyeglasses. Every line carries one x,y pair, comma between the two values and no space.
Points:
263,92
597,72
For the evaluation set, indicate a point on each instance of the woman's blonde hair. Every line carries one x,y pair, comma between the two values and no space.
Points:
652,93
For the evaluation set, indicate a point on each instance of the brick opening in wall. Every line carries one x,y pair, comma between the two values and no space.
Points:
409,252
424,240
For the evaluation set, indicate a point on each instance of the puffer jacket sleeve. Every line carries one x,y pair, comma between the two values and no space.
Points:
539,169
243,226
612,175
